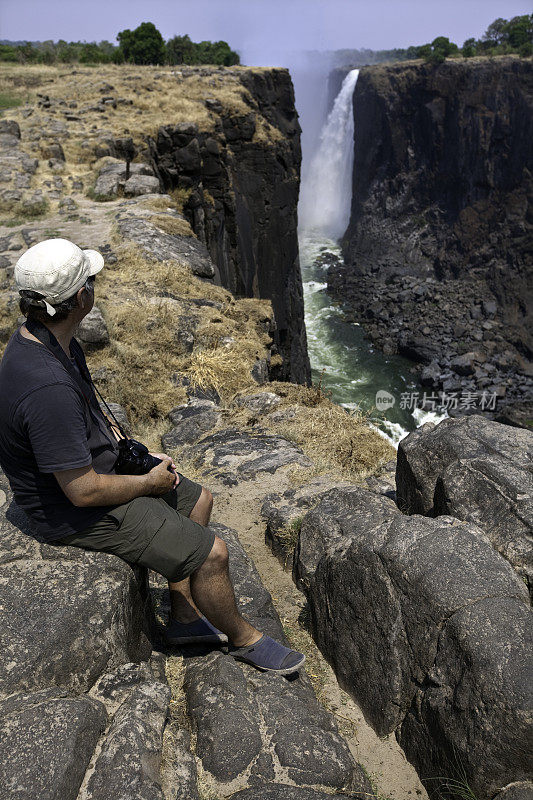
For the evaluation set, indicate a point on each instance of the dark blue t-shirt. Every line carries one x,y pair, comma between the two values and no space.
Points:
46,426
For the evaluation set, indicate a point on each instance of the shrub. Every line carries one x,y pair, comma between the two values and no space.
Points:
469,48
144,45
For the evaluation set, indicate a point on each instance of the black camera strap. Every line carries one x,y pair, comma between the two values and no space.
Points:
46,337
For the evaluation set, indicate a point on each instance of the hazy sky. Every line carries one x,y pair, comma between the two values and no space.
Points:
261,28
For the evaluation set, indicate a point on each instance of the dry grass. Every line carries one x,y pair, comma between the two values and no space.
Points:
176,226
287,538
179,198
159,95
143,354
17,213
338,442
8,322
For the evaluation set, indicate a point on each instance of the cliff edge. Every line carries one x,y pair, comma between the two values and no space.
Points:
439,237
224,141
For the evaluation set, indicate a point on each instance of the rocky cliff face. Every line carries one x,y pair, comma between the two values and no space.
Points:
244,178
424,615
440,230
224,141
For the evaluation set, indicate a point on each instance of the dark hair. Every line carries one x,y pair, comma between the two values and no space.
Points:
32,305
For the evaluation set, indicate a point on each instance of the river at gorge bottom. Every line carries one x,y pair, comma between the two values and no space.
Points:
351,369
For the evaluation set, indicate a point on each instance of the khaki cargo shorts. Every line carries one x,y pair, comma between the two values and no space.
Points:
155,532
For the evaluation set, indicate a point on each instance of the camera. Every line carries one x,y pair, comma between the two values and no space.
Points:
134,458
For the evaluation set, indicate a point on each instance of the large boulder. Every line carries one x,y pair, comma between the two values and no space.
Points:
259,403
429,628
141,184
47,740
10,127
476,706
479,471
518,790
188,158
191,422
92,330
112,179
52,150
260,727
340,514
129,760
107,185
281,791
78,701
166,247
48,598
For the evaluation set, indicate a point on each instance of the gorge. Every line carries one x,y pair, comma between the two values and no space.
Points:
437,254
403,576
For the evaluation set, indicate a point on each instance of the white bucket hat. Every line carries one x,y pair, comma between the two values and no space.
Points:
56,269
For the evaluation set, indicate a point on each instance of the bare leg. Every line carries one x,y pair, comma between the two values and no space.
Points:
213,593
182,606
202,510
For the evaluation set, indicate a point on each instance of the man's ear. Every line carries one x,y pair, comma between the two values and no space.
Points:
81,296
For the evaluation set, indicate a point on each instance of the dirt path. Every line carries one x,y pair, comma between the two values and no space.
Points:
239,508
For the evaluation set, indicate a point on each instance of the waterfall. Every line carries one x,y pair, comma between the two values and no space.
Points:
326,194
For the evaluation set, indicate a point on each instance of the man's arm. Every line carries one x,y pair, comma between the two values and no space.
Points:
85,487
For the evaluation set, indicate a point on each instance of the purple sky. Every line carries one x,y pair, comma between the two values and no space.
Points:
261,29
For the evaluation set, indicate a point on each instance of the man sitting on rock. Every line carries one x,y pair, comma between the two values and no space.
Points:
58,451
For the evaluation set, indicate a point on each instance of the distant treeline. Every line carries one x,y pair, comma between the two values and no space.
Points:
144,45
501,37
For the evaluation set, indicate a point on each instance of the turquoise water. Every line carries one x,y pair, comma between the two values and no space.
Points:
348,364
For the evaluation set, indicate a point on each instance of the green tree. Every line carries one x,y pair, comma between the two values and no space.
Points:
8,53
496,31
26,53
443,45
90,53
118,56
224,55
67,52
469,48
437,51
107,48
423,51
180,50
519,31
412,52
144,45
126,43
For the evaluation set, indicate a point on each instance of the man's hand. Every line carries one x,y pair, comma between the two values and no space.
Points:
160,479
172,466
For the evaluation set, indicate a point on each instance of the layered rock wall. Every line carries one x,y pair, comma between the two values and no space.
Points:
439,239
443,161
244,179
